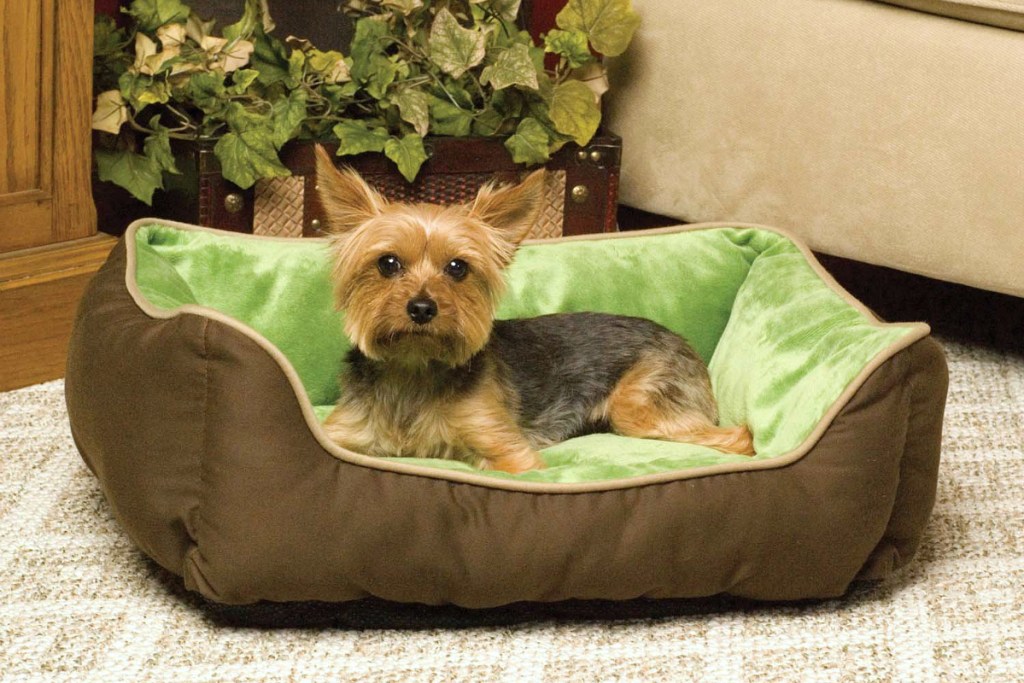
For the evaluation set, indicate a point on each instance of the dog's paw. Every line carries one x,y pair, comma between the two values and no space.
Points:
515,464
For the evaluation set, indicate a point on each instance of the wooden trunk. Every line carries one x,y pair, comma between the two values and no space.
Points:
582,187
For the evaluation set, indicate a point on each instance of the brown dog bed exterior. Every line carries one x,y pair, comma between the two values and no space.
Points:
208,451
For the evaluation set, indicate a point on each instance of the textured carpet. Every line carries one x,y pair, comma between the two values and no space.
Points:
78,603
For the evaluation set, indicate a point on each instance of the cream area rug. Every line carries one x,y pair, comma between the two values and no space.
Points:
79,603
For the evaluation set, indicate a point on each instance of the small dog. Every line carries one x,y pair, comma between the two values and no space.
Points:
432,374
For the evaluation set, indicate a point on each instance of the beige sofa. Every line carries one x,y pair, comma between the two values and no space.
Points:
891,133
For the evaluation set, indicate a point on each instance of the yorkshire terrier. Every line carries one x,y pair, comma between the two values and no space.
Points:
432,374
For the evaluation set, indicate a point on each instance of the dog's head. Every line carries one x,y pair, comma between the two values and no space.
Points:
421,282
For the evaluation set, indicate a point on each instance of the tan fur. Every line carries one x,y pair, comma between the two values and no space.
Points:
375,306
407,409
424,236
633,409
476,428
486,426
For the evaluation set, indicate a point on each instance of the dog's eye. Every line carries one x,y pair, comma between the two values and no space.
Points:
389,265
457,269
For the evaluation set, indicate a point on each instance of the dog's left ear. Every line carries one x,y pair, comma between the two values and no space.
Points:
512,210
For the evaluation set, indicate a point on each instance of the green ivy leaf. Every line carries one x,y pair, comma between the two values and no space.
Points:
287,115
156,93
109,56
107,39
453,48
206,90
371,66
609,24
503,114
136,173
513,66
509,103
141,91
152,14
340,96
248,156
269,57
240,119
414,108
447,119
407,153
355,137
320,61
529,144
569,44
296,67
158,147
380,74
247,152
331,64
241,80
457,93
506,9
539,110
574,111
488,123
248,24
370,41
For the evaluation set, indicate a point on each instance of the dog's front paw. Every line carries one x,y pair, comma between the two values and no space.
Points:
515,463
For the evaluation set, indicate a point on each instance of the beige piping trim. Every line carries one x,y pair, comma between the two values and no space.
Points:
917,331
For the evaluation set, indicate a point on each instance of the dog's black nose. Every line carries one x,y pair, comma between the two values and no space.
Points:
421,310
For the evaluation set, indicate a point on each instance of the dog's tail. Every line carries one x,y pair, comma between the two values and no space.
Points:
736,439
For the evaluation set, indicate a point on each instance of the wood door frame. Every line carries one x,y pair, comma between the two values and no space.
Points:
59,207
44,269
75,213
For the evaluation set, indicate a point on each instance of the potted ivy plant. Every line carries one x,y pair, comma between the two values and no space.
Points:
415,70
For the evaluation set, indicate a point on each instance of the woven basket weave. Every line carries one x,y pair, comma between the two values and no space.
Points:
278,204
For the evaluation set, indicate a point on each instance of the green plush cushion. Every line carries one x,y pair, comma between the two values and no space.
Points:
782,344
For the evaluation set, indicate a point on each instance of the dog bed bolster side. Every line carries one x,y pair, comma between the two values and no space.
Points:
134,388
928,379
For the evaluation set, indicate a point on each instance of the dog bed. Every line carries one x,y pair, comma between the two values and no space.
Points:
202,363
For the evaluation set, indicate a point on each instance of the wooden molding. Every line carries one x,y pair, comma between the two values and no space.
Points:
39,293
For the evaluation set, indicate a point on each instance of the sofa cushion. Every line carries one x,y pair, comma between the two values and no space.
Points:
1002,13
873,132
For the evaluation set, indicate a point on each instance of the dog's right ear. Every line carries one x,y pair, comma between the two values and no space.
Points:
348,201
